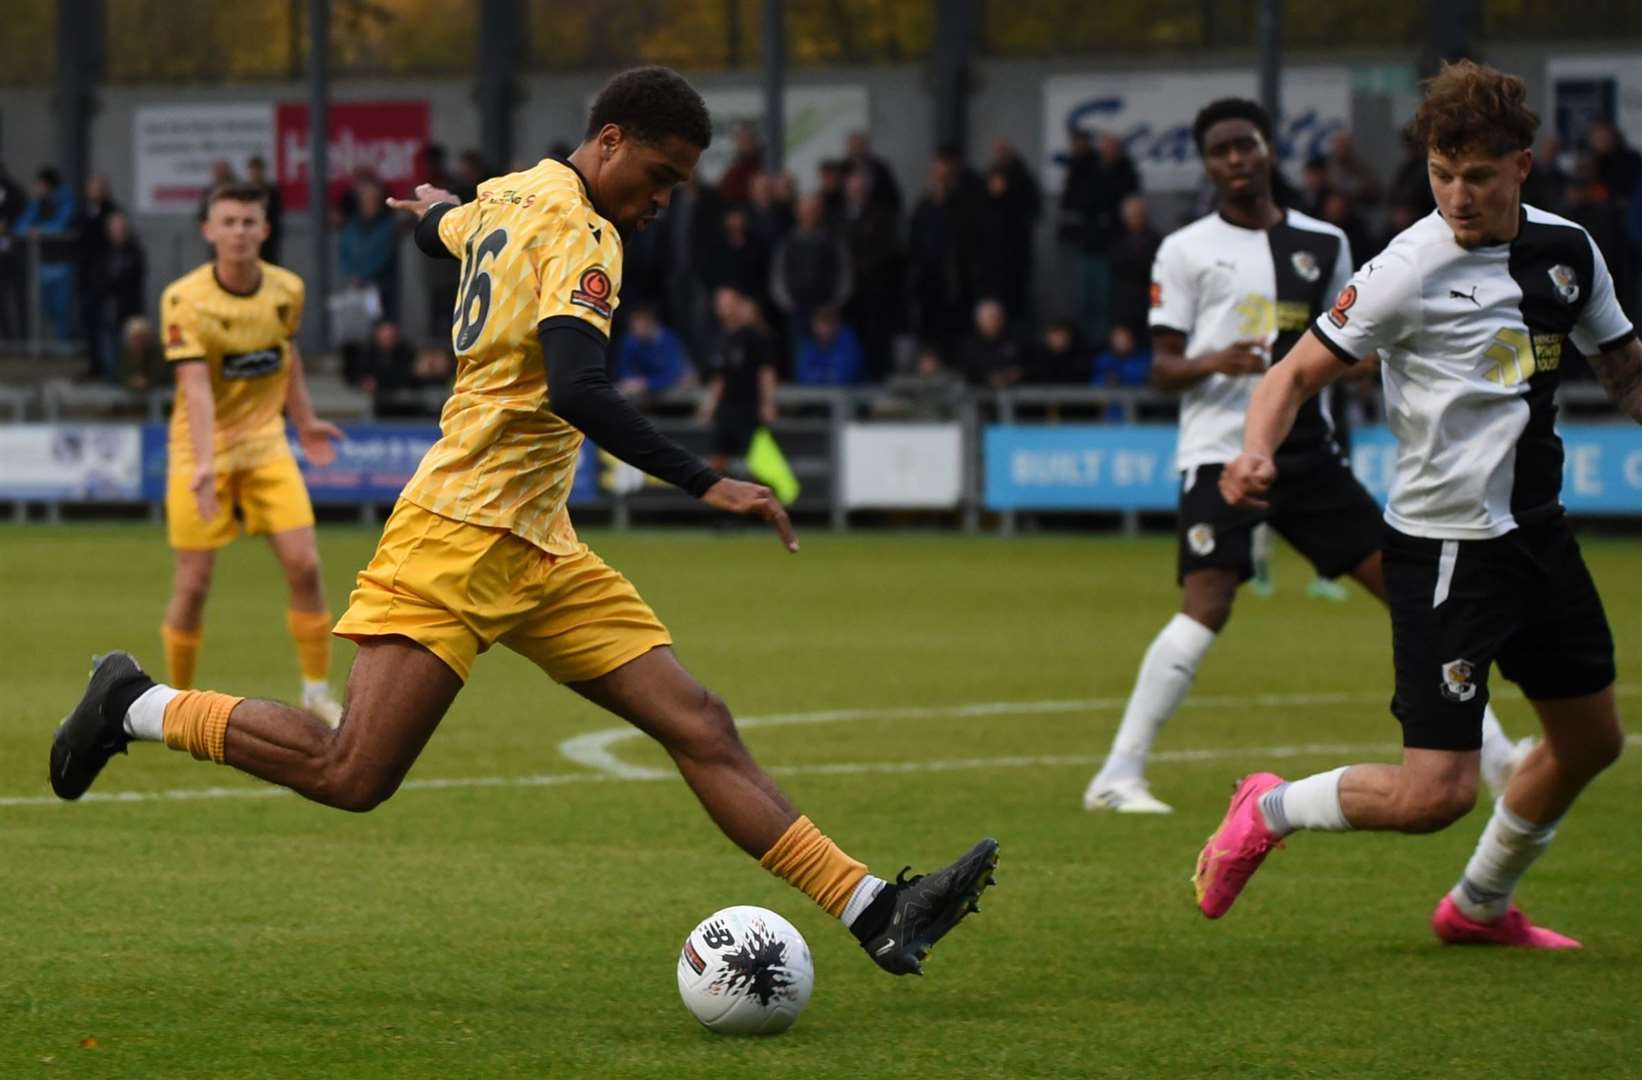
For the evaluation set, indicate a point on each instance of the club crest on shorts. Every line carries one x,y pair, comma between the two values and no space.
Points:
1566,283
1456,681
1200,538
1305,264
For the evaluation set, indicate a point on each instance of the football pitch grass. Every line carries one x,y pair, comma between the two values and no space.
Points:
514,912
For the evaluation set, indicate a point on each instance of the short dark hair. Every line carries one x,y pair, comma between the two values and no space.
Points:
234,191
1231,109
49,176
650,104
1469,106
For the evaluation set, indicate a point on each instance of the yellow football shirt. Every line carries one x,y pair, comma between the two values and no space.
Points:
245,339
532,248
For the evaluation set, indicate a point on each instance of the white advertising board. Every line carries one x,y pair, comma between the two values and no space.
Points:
176,144
70,462
903,466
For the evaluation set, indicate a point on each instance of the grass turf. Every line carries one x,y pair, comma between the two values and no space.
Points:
497,930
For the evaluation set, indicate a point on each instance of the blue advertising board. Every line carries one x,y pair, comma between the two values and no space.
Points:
373,464
1117,467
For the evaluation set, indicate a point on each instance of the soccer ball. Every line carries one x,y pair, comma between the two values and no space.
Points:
745,971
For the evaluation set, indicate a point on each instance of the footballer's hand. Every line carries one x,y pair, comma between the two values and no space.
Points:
1246,481
425,198
204,487
740,497
1240,358
319,441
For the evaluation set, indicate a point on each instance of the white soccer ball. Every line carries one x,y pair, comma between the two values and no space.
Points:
745,971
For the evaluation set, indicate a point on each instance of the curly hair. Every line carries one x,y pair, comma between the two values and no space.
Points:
650,104
1231,109
1470,107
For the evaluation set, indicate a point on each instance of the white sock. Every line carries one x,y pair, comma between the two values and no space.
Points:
1312,803
866,891
1508,847
1496,747
1166,675
312,688
146,717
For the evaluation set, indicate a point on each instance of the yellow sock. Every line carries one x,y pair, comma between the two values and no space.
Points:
312,631
804,858
182,652
197,721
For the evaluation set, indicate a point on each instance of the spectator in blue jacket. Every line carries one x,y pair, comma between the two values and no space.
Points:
830,355
650,358
368,247
51,214
1124,363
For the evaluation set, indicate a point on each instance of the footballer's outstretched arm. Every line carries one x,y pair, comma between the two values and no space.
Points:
1301,375
1620,370
580,391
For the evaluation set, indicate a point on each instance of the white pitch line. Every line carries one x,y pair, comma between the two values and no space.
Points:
621,771
593,749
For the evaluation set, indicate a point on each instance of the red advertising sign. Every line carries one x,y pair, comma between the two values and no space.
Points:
380,137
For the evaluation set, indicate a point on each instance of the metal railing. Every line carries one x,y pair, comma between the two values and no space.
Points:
811,431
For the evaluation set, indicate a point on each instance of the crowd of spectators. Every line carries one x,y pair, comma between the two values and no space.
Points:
753,277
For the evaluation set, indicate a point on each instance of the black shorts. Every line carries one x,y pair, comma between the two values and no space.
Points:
1523,599
1317,505
733,431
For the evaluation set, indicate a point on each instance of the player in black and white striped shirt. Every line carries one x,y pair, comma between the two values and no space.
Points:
1229,292
1470,311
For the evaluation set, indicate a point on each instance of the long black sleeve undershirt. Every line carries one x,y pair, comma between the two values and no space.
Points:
427,232
579,390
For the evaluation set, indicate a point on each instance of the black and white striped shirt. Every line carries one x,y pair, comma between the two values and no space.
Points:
1472,343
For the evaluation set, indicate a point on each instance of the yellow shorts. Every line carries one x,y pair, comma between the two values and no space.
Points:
457,589
271,498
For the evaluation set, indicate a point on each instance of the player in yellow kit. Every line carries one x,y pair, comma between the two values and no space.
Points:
480,550
228,334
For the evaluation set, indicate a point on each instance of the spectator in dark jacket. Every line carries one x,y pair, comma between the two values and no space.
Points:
1061,356
737,258
875,264
882,188
384,365
1004,241
96,208
811,268
829,179
1024,192
1618,167
830,354
13,269
1341,212
941,252
991,357
120,279
1097,184
1132,254
747,163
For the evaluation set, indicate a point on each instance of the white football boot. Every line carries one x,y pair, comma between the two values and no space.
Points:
1123,797
1498,773
321,704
